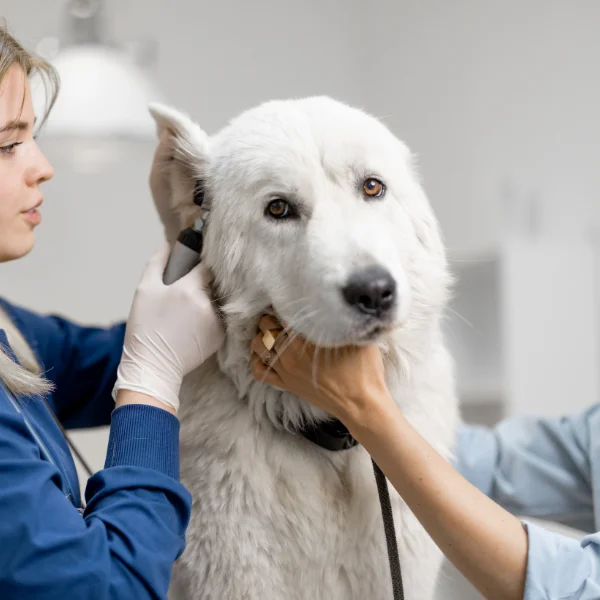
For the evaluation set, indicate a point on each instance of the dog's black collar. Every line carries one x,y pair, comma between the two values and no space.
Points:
331,435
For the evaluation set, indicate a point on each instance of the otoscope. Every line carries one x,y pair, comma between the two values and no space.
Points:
186,251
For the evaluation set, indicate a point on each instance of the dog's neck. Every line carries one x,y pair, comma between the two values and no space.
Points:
402,354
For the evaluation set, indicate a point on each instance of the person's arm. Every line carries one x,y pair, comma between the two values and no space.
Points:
80,361
133,528
500,556
485,542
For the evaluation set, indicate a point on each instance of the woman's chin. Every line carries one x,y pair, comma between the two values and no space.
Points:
15,249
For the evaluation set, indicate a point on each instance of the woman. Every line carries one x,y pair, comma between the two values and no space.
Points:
536,467
124,543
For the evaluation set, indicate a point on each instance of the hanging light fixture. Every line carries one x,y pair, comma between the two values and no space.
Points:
105,89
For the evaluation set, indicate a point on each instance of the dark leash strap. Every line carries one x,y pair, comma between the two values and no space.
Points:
390,532
333,435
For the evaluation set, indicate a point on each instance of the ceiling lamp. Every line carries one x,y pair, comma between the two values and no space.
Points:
105,88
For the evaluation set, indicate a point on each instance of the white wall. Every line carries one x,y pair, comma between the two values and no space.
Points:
493,94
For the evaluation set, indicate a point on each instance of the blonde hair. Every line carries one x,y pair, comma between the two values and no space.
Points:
24,378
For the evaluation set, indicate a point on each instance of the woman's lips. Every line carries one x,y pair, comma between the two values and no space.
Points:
33,215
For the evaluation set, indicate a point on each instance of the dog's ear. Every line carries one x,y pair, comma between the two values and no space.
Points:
180,168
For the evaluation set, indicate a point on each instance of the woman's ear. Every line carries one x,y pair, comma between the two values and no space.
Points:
184,156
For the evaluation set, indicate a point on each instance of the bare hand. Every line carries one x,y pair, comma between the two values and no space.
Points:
345,382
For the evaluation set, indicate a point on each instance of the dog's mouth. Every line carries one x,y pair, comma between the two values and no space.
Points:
372,333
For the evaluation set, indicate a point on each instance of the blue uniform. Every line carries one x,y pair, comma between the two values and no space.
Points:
546,468
133,527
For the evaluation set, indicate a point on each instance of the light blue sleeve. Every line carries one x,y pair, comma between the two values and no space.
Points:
543,468
561,568
534,467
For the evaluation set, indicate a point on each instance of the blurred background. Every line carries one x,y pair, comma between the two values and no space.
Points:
499,100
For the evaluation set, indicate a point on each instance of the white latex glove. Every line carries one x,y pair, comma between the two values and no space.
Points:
171,330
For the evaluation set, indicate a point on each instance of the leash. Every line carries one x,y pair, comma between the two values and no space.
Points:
334,436
390,532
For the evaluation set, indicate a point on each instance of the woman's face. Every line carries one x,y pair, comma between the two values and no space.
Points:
23,167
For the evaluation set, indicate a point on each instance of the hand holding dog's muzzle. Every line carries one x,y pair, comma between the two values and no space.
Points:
341,381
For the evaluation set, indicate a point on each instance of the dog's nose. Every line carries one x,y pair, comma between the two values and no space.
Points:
372,291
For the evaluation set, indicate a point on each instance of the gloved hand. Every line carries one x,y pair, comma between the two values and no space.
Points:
160,186
171,330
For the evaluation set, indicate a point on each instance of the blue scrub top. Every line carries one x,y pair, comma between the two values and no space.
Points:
133,528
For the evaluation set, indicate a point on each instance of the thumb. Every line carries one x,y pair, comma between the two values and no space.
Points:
156,264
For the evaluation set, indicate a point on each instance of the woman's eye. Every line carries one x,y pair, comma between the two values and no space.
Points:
279,209
373,188
10,148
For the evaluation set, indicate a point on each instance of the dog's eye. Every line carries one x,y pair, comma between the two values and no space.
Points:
373,188
279,209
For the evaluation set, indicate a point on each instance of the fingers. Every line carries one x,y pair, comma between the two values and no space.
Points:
275,335
271,332
289,353
259,349
285,339
160,256
262,372
294,350
268,322
269,358
156,265
281,342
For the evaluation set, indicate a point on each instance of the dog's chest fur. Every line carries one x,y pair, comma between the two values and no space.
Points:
275,516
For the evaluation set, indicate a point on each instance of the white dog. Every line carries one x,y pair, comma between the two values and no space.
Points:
316,214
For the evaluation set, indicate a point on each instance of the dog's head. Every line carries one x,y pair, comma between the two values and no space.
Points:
316,214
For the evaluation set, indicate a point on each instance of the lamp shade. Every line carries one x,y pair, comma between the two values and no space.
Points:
103,94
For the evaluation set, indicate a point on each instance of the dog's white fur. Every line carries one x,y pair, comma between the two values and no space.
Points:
274,515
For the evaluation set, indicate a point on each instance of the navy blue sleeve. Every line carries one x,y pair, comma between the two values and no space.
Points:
81,361
133,528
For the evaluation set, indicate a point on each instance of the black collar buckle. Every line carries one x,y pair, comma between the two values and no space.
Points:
331,435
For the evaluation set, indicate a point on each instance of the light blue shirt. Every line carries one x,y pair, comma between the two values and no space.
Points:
550,469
